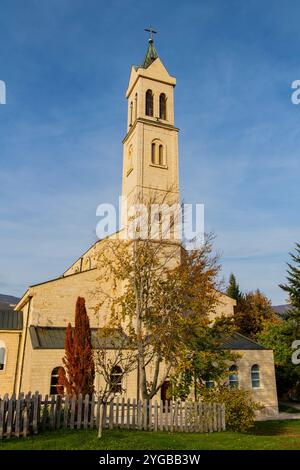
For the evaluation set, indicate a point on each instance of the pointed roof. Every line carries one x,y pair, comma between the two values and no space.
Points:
150,56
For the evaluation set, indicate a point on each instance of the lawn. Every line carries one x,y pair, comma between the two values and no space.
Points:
265,435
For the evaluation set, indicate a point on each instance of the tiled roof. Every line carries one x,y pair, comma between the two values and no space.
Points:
48,337
11,320
241,342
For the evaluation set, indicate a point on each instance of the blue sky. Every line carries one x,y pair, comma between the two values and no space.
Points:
66,65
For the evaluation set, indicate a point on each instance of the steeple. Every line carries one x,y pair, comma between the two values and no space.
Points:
151,53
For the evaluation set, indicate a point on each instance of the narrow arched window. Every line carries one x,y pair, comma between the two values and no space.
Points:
135,106
255,378
149,103
153,151
233,376
2,355
131,111
162,106
160,155
55,387
116,379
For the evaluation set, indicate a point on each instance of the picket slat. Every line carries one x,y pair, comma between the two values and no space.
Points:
111,414
92,411
122,413
86,411
73,410
66,411
35,402
10,413
128,414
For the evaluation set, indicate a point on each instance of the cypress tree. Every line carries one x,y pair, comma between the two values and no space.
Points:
78,376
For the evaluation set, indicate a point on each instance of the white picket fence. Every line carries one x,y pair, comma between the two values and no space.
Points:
31,414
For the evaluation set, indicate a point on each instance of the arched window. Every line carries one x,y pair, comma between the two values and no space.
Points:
233,376
131,112
149,103
135,106
153,152
116,379
160,155
55,388
255,378
2,355
162,106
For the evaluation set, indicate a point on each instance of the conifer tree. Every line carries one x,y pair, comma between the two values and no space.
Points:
78,376
292,287
233,289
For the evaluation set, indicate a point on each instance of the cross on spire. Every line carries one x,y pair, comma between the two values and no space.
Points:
151,31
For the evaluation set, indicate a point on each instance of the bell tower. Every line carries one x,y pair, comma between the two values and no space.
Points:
150,158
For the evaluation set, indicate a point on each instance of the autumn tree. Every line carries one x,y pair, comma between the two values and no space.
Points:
253,309
79,370
162,295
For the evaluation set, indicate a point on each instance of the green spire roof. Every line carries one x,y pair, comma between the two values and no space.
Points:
150,56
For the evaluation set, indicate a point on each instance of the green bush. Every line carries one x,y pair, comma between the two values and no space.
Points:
239,407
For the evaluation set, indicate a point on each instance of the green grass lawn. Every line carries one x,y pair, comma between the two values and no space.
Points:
265,435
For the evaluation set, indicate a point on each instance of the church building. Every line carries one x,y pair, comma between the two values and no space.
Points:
32,336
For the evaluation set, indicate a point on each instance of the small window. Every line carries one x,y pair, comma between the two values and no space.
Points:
209,383
233,376
135,106
255,378
162,106
153,151
149,103
161,155
55,388
2,355
116,379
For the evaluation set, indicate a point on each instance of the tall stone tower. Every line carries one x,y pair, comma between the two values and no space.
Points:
150,162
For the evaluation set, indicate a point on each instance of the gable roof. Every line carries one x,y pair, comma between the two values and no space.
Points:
11,320
240,342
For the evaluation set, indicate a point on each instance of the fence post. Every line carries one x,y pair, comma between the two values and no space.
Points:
101,418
